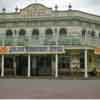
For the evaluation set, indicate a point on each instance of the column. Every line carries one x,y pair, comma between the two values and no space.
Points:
2,66
86,69
56,66
29,65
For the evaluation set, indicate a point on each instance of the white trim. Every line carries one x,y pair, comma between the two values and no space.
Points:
2,66
86,69
29,66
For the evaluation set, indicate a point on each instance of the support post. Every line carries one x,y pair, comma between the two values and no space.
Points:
56,65
2,66
86,69
29,66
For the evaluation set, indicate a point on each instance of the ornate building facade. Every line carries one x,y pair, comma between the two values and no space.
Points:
38,41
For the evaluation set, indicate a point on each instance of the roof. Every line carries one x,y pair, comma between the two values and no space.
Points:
38,10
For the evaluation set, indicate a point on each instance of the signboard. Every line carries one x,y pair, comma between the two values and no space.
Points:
4,50
97,51
36,50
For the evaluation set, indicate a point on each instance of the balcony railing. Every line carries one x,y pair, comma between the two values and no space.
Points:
28,41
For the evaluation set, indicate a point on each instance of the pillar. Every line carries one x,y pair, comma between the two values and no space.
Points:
2,66
56,66
86,69
29,65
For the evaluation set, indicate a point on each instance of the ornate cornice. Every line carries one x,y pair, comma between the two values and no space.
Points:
39,12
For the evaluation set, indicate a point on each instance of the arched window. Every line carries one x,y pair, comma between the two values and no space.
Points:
22,32
83,33
93,33
9,33
99,34
35,34
63,32
48,33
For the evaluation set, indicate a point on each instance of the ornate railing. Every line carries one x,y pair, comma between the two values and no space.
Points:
69,40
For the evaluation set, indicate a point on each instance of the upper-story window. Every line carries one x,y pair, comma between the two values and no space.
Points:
48,33
99,34
92,33
22,33
9,33
35,34
63,32
83,33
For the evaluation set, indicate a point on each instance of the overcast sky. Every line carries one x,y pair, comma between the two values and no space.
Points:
91,6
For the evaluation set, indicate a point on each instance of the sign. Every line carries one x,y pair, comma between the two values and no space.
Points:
34,50
4,50
97,51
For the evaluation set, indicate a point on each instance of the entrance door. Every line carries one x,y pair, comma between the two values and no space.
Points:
8,65
42,66
21,65
64,64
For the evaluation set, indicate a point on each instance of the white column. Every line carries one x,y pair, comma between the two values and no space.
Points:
56,66
86,69
56,56
29,65
2,66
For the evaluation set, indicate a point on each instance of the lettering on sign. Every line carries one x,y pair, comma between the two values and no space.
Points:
4,50
36,50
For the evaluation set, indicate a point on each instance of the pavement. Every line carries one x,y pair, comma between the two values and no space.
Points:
49,89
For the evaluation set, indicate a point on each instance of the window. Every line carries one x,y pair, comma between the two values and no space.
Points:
48,33
35,34
9,33
93,33
83,33
22,32
63,32
99,35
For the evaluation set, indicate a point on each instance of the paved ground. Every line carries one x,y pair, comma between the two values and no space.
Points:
44,88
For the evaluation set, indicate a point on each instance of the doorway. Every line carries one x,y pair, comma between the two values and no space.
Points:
21,65
8,65
42,65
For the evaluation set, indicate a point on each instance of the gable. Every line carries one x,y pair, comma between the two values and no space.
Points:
35,10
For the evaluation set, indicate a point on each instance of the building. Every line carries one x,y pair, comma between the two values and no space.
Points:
37,41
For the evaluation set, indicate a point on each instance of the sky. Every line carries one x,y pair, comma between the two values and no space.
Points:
90,6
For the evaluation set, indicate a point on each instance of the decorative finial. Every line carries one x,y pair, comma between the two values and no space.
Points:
70,6
56,7
4,10
16,9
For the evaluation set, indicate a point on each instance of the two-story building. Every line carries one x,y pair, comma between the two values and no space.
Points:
37,41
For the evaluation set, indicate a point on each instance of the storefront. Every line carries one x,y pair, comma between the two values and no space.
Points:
41,61
28,61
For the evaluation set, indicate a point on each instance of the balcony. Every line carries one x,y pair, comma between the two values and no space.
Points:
69,40
50,41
